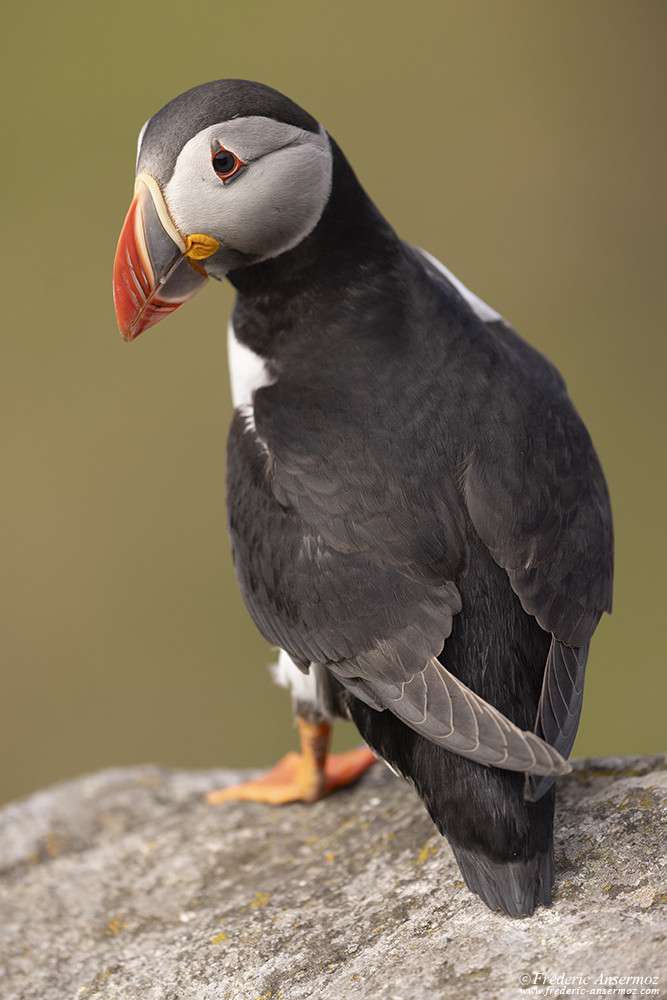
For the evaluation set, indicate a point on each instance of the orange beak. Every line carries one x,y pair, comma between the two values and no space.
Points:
156,267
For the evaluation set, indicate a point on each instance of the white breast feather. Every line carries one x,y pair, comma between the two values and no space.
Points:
248,372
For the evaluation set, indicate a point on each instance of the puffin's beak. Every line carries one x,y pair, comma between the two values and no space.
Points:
156,268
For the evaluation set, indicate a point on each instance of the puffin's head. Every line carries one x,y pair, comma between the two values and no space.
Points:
228,174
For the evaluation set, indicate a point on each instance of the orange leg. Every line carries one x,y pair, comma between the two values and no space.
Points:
302,777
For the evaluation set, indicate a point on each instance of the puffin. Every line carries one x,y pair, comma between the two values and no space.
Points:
418,518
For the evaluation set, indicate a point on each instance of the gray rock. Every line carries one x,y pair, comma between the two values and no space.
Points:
125,884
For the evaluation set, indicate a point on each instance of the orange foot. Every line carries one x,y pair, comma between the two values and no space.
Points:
302,777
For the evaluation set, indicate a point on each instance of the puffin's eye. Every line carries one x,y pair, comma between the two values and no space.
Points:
225,163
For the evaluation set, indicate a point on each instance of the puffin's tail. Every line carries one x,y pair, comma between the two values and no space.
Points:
516,887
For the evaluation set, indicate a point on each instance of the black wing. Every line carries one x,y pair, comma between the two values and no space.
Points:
377,629
538,500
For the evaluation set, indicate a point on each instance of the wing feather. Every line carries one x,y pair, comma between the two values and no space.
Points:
537,498
438,706
378,631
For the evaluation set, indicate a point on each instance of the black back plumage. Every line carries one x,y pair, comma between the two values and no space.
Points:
421,478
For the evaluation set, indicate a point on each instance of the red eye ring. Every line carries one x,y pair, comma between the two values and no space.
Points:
225,163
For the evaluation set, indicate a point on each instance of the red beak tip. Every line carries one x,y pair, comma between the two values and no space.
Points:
149,284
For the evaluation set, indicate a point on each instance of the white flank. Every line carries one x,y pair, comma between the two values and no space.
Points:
303,687
484,311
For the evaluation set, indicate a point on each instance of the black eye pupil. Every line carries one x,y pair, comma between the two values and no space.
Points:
224,162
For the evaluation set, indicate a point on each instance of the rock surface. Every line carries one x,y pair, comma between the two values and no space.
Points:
124,884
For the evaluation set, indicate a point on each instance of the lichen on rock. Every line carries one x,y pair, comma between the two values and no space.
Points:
125,885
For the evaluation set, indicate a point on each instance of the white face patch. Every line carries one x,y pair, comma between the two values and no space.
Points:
273,203
477,305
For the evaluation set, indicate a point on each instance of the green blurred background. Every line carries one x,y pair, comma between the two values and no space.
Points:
523,143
